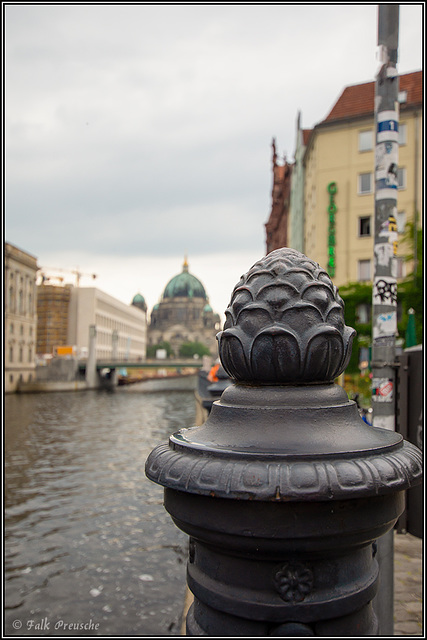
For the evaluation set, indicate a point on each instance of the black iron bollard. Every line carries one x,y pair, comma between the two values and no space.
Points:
284,489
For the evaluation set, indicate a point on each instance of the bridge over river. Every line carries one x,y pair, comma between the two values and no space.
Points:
144,364
106,373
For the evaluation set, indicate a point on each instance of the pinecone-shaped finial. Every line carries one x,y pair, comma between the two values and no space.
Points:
285,323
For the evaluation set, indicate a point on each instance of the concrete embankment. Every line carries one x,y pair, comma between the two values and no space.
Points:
61,374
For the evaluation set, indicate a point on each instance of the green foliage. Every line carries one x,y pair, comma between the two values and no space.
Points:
360,385
409,295
353,295
190,349
410,290
152,349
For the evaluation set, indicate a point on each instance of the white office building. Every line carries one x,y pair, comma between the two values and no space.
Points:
121,329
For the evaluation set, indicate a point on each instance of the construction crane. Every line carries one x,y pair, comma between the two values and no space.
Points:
76,272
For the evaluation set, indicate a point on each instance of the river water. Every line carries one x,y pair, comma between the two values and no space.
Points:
90,549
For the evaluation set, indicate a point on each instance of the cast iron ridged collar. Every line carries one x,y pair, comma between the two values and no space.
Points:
284,431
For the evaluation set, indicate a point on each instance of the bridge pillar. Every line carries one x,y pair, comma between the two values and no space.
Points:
92,379
114,351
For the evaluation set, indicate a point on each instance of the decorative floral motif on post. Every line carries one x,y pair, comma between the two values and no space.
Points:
285,323
294,582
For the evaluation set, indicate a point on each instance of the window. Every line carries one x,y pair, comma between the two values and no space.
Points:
366,140
365,226
365,183
401,178
364,270
363,313
401,221
402,134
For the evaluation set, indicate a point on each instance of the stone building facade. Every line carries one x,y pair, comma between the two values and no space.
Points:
20,316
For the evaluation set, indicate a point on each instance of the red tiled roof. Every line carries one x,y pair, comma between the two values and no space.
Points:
358,99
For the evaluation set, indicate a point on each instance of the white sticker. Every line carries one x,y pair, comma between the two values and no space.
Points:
385,325
383,253
386,154
382,390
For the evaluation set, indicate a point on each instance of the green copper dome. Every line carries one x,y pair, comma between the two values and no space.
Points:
138,299
184,285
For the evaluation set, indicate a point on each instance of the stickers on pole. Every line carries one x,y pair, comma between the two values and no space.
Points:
384,253
387,155
382,390
385,325
388,231
388,126
385,290
386,165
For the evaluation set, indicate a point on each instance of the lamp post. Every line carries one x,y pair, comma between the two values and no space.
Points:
284,489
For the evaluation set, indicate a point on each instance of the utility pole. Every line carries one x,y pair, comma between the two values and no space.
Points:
384,292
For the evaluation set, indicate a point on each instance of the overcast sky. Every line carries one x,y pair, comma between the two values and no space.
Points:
136,134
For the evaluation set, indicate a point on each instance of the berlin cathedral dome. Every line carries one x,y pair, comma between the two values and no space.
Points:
184,314
184,285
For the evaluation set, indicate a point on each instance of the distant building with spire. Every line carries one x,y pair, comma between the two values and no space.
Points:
276,227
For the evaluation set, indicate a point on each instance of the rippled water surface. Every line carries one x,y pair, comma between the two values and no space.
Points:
90,549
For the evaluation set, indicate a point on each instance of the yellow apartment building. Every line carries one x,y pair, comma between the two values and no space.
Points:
339,164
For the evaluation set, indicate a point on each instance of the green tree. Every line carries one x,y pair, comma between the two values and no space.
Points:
354,295
410,289
190,349
152,349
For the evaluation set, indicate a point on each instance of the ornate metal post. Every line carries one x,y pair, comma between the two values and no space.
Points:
284,489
